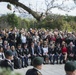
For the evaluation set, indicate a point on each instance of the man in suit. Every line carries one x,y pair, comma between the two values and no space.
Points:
71,51
39,49
58,54
20,54
33,51
17,61
70,68
6,63
12,38
26,54
37,63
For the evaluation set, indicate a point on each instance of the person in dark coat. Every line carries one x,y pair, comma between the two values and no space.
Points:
37,63
26,55
53,55
33,51
20,54
39,49
17,61
6,63
12,38
18,39
71,51
59,55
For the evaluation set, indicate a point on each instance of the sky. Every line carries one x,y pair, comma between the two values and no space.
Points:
39,5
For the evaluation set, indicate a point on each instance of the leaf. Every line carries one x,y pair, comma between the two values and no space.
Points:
9,6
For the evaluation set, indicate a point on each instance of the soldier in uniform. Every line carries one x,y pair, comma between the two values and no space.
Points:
37,63
6,63
20,54
70,68
26,54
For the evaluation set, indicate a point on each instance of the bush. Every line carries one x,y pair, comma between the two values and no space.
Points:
7,72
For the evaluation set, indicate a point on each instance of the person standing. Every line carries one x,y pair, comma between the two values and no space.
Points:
23,39
37,64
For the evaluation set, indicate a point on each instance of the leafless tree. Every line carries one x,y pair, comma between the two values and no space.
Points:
50,4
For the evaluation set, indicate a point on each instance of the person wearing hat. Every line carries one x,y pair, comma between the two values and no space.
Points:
70,68
6,63
37,63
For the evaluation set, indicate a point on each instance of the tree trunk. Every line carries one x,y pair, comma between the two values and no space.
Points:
30,11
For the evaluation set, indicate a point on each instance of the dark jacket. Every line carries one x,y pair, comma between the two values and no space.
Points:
26,51
7,64
35,51
39,50
71,50
33,72
20,52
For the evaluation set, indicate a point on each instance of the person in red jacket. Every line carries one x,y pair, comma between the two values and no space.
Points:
64,51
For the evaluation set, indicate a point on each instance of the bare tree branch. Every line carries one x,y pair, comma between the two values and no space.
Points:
30,11
50,4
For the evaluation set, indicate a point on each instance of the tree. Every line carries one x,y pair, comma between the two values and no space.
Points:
3,22
66,27
7,72
12,20
49,4
74,1
17,3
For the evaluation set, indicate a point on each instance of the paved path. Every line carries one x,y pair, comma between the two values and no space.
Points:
46,70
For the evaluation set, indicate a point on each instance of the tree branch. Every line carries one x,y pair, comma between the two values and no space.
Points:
33,13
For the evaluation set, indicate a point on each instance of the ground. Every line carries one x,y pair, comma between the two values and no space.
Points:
46,70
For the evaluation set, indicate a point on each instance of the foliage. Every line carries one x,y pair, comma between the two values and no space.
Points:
12,20
58,21
3,22
73,25
50,22
66,27
49,5
7,72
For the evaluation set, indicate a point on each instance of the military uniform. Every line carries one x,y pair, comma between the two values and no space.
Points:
26,53
21,56
33,72
7,64
70,68
37,61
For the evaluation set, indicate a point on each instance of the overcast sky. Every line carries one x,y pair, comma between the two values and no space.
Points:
39,5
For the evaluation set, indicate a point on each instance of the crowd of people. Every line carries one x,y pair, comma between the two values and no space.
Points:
54,46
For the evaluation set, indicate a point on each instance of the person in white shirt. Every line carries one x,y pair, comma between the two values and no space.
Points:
45,53
23,39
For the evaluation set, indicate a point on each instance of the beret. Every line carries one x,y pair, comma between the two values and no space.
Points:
8,53
37,61
70,66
